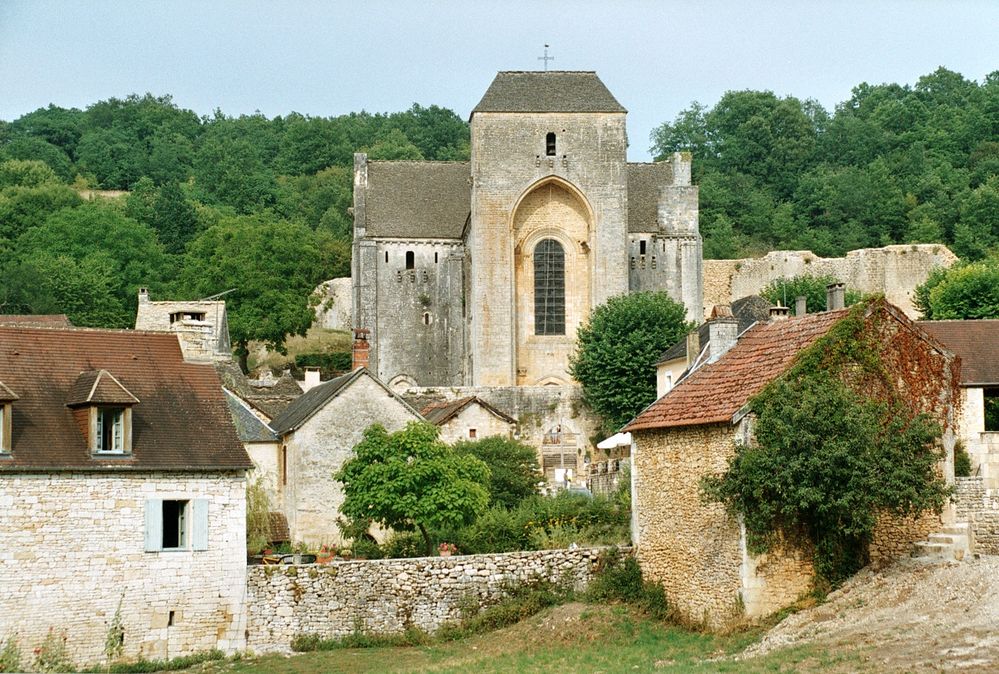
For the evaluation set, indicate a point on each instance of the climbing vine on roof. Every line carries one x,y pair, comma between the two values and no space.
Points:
840,439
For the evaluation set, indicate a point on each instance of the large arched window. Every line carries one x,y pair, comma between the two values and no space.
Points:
549,288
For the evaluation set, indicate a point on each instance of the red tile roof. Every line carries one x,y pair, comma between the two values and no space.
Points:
40,320
976,342
182,421
442,412
715,392
97,387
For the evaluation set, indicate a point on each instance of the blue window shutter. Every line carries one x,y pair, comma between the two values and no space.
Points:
154,525
199,527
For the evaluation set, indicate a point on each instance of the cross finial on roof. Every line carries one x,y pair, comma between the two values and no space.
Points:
546,58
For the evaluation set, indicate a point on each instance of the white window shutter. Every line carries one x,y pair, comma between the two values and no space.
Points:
154,525
199,526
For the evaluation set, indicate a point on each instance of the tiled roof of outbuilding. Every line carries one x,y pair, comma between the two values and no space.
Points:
417,199
440,413
976,342
181,423
552,91
248,426
715,392
747,310
40,320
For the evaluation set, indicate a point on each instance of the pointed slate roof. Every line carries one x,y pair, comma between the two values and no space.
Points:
552,91
99,387
249,427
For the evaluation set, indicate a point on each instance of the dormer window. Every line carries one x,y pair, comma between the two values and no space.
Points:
550,144
187,316
103,409
7,397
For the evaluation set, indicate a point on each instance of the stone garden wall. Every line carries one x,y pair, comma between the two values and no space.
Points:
386,596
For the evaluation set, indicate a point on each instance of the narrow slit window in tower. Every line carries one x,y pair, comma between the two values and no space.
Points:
386,257
410,259
641,247
549,288
550,144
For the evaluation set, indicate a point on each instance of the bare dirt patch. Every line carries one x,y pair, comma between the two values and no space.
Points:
908,617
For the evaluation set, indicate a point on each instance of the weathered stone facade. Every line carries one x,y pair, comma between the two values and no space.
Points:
445,253
693,547
333,312
475,422
202,326
74,549
979,506
314,451
387,596
894,271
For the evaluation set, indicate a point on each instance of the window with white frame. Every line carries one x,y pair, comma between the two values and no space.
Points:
110,434
4,433
176,524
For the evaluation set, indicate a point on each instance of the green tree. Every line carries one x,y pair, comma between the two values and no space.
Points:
173,218
964,291
617,350
514,473
410,480
22,208
26,173
273,264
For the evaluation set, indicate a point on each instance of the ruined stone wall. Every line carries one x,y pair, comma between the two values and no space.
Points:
74,548
335,308
894,271
979,506
311,498
386,596
693,547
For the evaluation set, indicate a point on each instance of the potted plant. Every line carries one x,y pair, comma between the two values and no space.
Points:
447,549
326,554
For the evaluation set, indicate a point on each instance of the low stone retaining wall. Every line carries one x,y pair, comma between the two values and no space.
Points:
386,596
978,506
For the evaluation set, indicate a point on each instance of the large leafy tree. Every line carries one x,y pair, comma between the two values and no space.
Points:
813,288
273,265
617,350
514,473
410,480
964,291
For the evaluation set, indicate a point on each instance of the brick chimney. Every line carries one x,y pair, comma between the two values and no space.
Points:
800,308
779,313
723,331
361,348
835,296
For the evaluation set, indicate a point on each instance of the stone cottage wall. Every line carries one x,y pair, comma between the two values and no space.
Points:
387,596
979,506
73,548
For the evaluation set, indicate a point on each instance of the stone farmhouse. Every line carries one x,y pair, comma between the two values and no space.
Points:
122,487
469,418
318,432
693,547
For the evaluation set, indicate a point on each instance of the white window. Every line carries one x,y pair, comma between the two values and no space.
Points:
110,436
176,524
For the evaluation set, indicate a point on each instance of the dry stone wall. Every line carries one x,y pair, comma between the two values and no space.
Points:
979,506
388,595
894,271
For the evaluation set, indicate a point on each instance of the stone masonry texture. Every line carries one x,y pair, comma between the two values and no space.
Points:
387,596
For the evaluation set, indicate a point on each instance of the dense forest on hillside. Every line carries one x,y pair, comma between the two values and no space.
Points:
260,205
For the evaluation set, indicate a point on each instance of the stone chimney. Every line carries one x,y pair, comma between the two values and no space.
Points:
312,378
800,308
143,295
779,313
723,331
835,296
693,346
361,348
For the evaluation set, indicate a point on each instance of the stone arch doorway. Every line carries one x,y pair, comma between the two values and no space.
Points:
552,230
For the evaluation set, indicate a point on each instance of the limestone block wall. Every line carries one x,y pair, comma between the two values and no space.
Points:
200,340
694,548
73,548
979,506
309,495
477,418
894,271
335,308
387,596
982,446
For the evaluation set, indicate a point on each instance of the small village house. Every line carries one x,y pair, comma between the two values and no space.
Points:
469,418
122,489
691,546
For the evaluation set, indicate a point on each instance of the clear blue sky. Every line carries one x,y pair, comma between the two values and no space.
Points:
328,58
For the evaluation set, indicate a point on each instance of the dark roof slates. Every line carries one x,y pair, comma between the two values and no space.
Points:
552,91
417,199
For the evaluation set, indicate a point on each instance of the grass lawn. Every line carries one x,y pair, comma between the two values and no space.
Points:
571,638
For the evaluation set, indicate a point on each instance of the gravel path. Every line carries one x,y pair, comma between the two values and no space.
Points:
910,617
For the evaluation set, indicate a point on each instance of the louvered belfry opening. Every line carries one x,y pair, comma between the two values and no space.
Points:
549,288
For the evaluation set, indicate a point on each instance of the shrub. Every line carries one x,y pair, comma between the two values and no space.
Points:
513,468
10,655
962,461
622,581
258,523
52,655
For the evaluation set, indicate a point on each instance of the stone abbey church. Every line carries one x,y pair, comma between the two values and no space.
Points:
479,273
